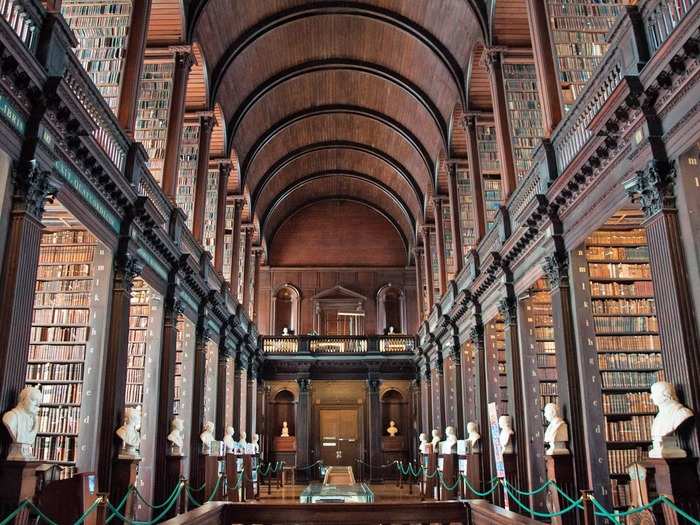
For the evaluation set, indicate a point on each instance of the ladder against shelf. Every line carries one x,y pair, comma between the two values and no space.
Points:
101,28
578,29
450,263
210,210
490,167
466,210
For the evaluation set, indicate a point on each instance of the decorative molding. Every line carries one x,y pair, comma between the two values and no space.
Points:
556,268
653,188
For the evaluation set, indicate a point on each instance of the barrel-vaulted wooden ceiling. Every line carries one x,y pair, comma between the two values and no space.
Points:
338,99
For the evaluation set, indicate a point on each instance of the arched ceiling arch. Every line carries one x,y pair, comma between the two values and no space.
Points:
292,156
378,78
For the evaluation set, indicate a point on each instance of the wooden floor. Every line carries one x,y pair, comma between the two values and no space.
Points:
383,493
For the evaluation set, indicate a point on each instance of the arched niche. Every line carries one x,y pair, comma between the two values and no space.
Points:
283,409
393,408
285,310
391,310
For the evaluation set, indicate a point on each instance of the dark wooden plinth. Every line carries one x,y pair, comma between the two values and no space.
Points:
449,477
473,475
560,469
124,472
173,476
677,479
18,482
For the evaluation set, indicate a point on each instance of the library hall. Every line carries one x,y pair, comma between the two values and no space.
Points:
373,262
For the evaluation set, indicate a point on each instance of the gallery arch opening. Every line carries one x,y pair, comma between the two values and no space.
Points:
343,261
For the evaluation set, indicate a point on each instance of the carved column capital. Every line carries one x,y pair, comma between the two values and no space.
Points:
556,268
304,384
476,335
507,307
184,58
491,58
32,188
206,124
653,188
126,268
373,385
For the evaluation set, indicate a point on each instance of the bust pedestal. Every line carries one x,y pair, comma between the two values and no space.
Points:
212,472
510,464
449,476
18,482
677,479
560,469
173,475
473,475
123,476
430,484
234,462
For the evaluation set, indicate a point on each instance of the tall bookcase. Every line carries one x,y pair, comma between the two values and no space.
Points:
241,258
210,210
628,347
450,262
435,268
228,240
139,315
101,28
496,364
543,339
64,351
524,113
490,170
578,29
184,374
210,380
154,109
466,210
187,174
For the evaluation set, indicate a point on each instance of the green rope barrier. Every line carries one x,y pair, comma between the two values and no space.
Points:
604,512
160,516
494,486
533,512
446,486
680,511
121,503
357,460
409,470
88,511
310,466
149,505
531,492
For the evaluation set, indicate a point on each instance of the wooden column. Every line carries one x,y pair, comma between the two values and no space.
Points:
375,426
680,344
440,245
257,253
240,391
251,401
428,267
224,171
458,410
197,422
420,296
303,420
455,218
166,389
236,246
126,267
476,183
133,65
516,400
247,270
549,88
492,60
184,59
18,282
206,125
426,399
477,336
556,268
221,380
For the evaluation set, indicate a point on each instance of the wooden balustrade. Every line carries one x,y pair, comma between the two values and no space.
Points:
468,512
661,17
23,19
337,344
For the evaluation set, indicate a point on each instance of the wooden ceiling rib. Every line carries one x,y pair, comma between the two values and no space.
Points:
479,93
510,24
338,97
196,97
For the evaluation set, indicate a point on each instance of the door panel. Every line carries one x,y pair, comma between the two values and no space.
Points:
339,436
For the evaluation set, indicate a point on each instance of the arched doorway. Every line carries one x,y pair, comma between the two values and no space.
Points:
391,310
285,310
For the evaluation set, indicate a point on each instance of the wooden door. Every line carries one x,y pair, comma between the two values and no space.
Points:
339,432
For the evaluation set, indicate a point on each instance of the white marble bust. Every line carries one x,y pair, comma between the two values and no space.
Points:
285,430
206,437
130,434
449,446
176,436
670,416
242,442
435,442
22,424
423,443
256,443
229,442
392,430
505,437
557,434
473,437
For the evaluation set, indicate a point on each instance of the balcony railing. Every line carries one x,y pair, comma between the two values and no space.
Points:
661,17
337,344
22,20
